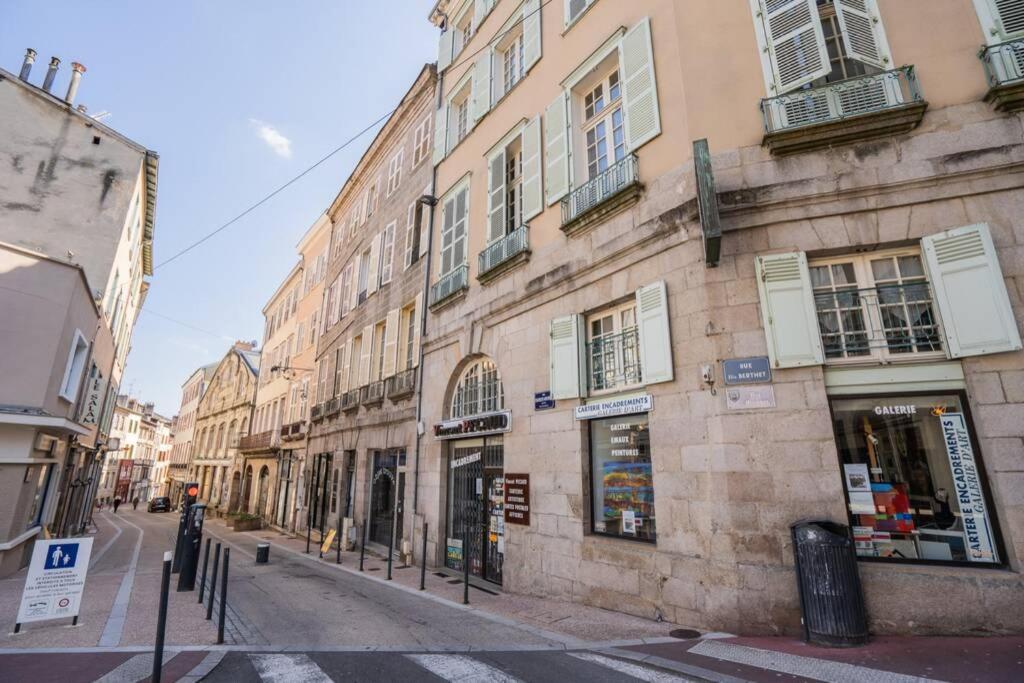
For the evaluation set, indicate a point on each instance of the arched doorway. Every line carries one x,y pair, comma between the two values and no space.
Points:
247,488
236,487
264,491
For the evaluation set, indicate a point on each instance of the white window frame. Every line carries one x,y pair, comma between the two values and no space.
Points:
407,338
459,106
571,20
74,369
363,277
395,172
411,253
452,196
604,116
372,196
387,253
421,142
615,312
463,28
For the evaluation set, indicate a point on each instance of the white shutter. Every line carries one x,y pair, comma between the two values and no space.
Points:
556,149
1000,19
417,312
391,342
344,371
970,292
533,199
787,310
440,134
481,86
365,353
796,45
567,357
374,269
496,196
353,284
863,33
640,91
444,50
531,34
655,335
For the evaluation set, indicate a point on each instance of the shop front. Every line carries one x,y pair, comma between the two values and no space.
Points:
387,497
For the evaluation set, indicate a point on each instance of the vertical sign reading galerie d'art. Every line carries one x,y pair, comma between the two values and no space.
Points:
967,484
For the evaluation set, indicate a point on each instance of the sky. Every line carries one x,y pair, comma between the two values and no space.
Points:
237,97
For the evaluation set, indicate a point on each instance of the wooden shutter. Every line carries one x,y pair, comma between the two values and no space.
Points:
796,45
440,134
1001,19
970,293
640,91
417,312
531,34
353,284
496,196
567,357
481,89
391,342
365,354
373,272
863,33
654,332
556,149
787,310
346,363
533,198
444,50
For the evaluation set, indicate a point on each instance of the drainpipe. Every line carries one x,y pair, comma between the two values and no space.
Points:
26,66
51,73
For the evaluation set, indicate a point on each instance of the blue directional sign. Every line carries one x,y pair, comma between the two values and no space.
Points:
747,371
542,401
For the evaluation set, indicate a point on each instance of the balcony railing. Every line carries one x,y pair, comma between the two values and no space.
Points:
316,412
841,100
602,187
888,320
295,430
260,442
402,384
613,361
450,285
373,392
505,249
1004,63
332,406
350,400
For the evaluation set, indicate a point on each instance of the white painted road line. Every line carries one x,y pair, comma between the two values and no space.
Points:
135,669
288,669
627,668
462,669
114,627
106,546
796,665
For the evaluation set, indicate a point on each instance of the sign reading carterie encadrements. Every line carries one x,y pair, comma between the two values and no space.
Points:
967,485
56,579
517,499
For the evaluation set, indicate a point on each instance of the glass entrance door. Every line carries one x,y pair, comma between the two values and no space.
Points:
476,524
383,489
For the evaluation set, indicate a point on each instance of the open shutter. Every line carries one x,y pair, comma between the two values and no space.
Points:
346,351
418,312
1001,20
374,269
440,134
391,342
365,353
640,91
531,33
556,149
655,336
795,43
567,357
533,199
496,196
353,284
863,33
787,310
970,292
444,50
482,86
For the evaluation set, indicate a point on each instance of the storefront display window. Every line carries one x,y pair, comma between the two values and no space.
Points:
913,479
622,484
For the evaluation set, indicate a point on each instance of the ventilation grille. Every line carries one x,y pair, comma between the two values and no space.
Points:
780,270
960,247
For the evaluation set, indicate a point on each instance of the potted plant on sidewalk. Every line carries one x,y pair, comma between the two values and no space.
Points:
246,522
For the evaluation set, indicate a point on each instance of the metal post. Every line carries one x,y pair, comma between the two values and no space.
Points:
465,568
391,542
161,620
362,547
313,485
338,539
213,580
423,560
223,597
206,561
326,475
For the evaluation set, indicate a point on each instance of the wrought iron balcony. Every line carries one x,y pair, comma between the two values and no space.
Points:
316,412
402,384
449,285
264,441
1004,68
350,400
373,392
504,250
332,407
614,180
889,90
613,361
293,431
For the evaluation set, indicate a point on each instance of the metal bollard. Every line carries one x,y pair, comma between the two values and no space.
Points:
338,560
465,567
213,581
161,619
223,596
423,560
362,548
206,561
391,546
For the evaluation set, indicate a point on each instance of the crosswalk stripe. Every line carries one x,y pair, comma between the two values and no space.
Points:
634,670
288,669
462,669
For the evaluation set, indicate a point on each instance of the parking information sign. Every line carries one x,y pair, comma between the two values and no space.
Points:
56,579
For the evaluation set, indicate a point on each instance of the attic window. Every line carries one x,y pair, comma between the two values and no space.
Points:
95,139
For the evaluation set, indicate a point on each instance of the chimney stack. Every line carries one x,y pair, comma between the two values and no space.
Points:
76,76
26,66
51,73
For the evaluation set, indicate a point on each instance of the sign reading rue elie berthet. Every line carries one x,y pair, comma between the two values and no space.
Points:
517,499
747,370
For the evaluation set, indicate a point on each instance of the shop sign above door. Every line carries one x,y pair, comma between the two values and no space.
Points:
618,406
477,425
517,499
747,371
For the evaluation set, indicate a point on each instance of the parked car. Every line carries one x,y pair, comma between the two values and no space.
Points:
161,504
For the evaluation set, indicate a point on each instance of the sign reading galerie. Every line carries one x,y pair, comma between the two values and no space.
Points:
619,406
517,499
967,485
56,579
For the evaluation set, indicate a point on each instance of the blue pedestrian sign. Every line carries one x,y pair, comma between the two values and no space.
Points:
61,556
747,371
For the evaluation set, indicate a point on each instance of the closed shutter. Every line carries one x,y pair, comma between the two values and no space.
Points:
444,50
496,197
1006,19
556,149
795,43
482,86
417,312
863,33
374,269
640,91
787,310
365,353
533,199
531,34
970,292
440,134
346,366
655,335
567,357
391,342
353,284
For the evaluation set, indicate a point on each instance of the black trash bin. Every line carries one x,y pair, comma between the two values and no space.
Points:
831,599
262,553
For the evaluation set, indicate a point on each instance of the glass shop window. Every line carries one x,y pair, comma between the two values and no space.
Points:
622,482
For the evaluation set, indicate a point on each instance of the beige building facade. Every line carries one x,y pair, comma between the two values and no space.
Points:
185,430
645,361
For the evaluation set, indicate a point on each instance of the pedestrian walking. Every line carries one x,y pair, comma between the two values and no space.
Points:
135,503
117,504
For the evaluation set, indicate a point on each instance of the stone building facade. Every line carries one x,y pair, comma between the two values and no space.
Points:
185,430
859,255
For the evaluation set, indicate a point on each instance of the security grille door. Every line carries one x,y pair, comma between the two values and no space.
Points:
476,480
382,496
